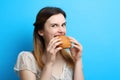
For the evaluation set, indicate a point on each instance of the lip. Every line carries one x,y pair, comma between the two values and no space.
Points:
58,35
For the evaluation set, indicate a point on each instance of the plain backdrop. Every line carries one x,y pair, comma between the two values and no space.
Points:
94,23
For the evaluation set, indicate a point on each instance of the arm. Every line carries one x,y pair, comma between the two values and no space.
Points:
50,57
46,73
78,73
76,52
27,75
24,68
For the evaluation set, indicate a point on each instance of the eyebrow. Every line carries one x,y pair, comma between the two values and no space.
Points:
56,23
64,22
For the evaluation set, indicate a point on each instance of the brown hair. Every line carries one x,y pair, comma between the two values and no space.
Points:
39,44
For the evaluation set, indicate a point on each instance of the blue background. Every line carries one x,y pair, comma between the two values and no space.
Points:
94,23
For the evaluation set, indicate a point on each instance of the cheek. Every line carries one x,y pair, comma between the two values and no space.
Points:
49,35
65,30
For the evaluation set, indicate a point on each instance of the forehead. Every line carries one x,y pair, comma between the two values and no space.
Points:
58,18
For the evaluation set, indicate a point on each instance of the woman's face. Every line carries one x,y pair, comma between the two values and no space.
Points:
54,26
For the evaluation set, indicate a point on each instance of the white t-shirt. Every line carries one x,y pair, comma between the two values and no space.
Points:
26,61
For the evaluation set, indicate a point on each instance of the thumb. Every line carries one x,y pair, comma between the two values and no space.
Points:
72,51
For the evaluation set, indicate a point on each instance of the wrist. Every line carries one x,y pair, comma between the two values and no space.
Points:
78,59
48,65
78,62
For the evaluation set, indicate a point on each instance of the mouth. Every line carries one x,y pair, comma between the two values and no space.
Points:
58,35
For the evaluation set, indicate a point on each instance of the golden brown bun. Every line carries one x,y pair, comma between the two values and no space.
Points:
65,42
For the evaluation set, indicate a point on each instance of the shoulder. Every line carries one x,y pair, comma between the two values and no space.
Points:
26,54
26,61
26,57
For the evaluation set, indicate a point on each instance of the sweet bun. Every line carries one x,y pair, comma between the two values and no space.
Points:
65,42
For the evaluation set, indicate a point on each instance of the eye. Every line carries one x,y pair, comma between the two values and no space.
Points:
54,25
64,25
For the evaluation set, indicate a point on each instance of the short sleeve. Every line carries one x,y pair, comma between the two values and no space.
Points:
25,61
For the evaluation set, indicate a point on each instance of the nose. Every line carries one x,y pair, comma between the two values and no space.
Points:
61,29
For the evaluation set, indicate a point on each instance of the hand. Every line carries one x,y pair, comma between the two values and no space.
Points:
76,49
52,49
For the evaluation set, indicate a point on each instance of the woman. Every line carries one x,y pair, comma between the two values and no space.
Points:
49,61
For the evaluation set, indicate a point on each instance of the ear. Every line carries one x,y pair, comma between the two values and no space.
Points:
40,32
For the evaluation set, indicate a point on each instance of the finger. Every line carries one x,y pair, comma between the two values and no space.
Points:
75,41
78,47
55,45
72,51
58,49
53,41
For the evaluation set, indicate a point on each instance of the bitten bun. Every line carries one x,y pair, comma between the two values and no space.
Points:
65,42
